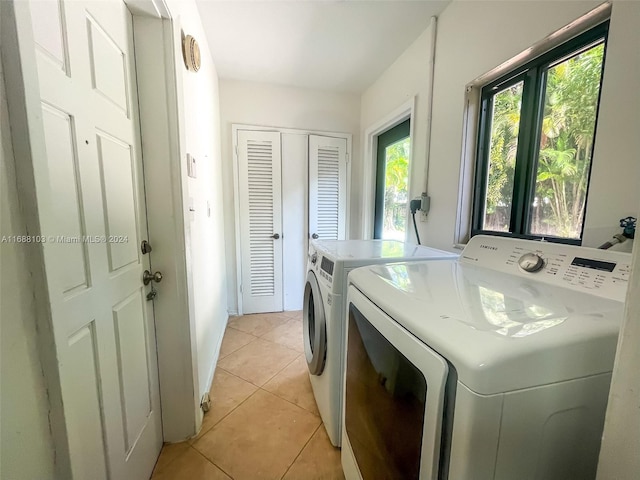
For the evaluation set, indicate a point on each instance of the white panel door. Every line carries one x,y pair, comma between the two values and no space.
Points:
260,201
92,213
327,187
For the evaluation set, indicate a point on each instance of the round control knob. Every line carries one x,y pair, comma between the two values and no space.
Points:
314,258
531,262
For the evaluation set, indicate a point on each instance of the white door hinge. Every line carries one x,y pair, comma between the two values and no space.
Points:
236,149
348,159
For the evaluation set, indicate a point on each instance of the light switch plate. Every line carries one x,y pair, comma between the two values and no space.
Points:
191,166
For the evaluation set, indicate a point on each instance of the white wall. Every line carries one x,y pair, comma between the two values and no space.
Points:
473,38
620,451
406,77
274,106
26,448
613,191
204,227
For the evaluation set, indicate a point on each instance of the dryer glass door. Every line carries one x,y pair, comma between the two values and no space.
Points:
394,396
315,326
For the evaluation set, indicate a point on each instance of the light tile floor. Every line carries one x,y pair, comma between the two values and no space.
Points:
263,422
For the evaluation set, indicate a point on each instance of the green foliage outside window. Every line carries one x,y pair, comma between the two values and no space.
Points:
563,148
396,188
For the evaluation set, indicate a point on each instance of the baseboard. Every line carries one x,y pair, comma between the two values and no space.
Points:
216,356
212,371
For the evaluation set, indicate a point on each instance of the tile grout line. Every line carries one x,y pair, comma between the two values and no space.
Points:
283,346
279,371
234,375
268,341
170,461
300,452
289,401
240,347
211,462
270,378
275,374
264,390
237,406
241,331
199,436
250,382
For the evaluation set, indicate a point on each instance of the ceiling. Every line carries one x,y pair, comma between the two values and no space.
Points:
340,46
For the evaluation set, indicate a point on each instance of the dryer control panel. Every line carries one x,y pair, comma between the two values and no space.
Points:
600,272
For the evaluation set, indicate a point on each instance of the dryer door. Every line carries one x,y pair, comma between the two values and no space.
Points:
315,326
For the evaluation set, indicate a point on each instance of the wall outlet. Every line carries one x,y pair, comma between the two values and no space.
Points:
426,203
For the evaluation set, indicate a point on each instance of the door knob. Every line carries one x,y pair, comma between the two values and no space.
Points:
315,236
148,277
275,236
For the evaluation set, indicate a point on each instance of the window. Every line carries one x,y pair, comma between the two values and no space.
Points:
392,183
535,144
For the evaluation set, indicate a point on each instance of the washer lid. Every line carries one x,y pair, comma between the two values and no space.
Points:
387,250
501,332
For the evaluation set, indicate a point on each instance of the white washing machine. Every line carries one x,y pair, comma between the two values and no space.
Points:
330,261
495,366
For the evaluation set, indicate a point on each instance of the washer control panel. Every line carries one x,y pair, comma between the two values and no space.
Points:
326,269
531,262
600,272
321,265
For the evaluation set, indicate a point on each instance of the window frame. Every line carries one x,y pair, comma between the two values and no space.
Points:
532,74
385,139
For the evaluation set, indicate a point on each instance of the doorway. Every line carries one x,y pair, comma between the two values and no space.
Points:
392,183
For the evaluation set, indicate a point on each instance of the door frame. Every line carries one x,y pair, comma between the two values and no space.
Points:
162,126
163,122
235,127
406,111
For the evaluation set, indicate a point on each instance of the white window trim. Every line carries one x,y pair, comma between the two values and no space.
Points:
397,116
472,110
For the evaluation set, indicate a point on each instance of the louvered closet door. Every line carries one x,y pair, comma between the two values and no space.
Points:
327,187
260,189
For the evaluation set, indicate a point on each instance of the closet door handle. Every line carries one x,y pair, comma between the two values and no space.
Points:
275,236
315,236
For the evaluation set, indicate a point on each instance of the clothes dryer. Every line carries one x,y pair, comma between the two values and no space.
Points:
494,366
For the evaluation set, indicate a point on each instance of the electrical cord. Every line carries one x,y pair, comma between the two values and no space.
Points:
413,215
414,206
